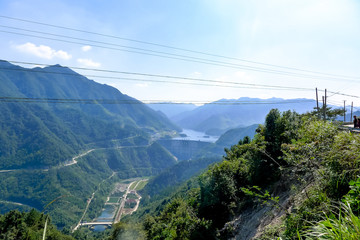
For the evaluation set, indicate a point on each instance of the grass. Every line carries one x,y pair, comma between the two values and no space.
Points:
113,200
130,205
117,194
132,186
341,224
131,196
141,185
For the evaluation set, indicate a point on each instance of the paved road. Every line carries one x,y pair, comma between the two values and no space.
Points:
89,201
122,204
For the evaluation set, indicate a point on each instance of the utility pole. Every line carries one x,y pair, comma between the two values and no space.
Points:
325,105
344,110
317,103
351,111
323,99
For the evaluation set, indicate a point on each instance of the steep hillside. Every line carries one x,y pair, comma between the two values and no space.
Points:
220,116
232,136
50,114
63,135
297,179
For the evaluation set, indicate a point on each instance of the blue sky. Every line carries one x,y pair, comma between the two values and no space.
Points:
315,35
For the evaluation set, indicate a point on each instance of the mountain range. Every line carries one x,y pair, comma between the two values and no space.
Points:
49,114
217,117
62,134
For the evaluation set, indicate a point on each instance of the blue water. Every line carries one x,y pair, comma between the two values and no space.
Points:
106,215
196,136
99,228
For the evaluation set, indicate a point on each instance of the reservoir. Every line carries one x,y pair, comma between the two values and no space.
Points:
188,144
192,135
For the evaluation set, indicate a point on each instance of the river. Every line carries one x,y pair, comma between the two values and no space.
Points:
107,215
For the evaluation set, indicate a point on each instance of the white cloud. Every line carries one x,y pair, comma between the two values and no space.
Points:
43,51
86,48
88,62
196,75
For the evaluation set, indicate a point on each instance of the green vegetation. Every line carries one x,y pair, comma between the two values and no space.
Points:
113,200
169,179
216,119
131,196
177,221
126,231
77,182
298,165
232,136
341,224
141,185
130,204
39,136
309,162
16,225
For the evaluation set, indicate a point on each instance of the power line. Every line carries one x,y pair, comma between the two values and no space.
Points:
215,83
184,58
177,56
344,94
174,48
134,101
166,76
245,85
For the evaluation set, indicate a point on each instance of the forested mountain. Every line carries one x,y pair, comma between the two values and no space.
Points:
232,136
62,134
74,111
15,225
218,117
296,179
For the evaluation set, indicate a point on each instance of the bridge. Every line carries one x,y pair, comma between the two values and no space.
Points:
116,204
95,223
118,214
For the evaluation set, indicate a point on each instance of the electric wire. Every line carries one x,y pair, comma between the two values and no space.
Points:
172,47
173,56
214,83
184,58
165,76
251,86
134,101
187,59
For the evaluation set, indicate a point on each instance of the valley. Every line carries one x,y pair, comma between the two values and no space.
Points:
78,151
107,171
117,204
179,120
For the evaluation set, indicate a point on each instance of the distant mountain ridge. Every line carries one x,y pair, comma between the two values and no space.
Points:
172,109
50,116
218,117
46,133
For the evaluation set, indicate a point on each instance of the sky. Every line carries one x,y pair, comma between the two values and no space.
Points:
252,44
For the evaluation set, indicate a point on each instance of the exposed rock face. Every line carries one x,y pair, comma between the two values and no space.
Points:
253,222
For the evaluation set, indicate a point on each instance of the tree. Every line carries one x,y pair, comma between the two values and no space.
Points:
177,221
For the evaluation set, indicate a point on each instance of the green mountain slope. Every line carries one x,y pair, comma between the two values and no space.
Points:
218,117
296,179
232,136
42,134
62,135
